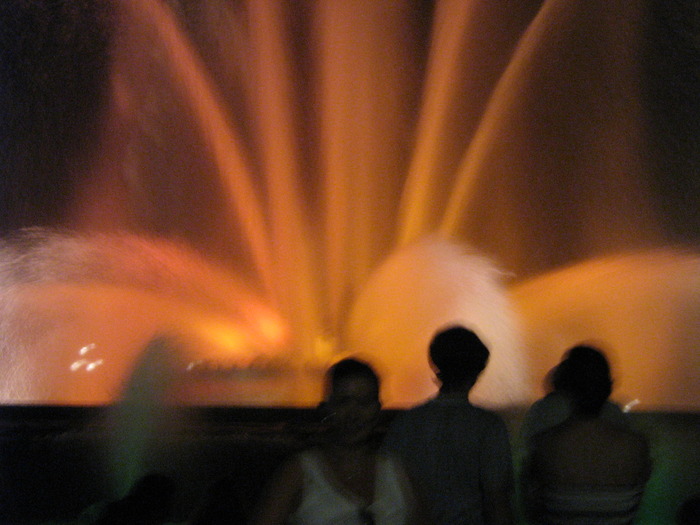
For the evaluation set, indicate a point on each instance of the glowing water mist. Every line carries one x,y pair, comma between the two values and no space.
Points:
320,200
310,266
79,310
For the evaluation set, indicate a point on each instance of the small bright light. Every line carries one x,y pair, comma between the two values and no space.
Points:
629,406
90,367
84,350
77,364
193,364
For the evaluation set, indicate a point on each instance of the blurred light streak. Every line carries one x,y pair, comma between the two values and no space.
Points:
220,135
291,250
450,31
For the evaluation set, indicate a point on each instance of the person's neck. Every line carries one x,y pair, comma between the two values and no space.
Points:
585,416
454,393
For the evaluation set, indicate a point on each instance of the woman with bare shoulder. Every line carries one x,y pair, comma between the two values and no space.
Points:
346,480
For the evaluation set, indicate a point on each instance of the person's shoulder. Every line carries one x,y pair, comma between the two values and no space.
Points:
488,416
630,435
552,402
405,422
612,412
458,406
410,413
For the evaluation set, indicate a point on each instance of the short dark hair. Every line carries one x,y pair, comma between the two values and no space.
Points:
584,374
458,354
350,367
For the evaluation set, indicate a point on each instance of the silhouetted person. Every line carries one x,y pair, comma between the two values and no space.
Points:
346,480
458,455
557,406
586,469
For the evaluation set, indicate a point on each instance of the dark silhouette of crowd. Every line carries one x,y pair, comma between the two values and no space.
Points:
589,466
445,461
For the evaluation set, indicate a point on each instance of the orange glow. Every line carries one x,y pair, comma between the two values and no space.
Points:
641,308
426,286
227,338
304,182
272,329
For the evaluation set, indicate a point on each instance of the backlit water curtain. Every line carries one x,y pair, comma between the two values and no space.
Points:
270,185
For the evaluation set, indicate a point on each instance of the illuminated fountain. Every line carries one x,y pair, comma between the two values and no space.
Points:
90,305
267,202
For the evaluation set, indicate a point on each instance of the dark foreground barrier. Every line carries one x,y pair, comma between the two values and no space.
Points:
54,460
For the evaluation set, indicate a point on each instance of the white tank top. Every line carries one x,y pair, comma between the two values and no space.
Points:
324,503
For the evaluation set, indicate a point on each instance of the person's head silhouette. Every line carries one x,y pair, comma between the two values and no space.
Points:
352,401
458,356
584,376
